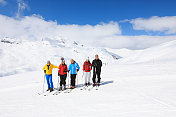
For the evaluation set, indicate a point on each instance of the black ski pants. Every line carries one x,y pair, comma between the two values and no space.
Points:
73,78
63,79
94,77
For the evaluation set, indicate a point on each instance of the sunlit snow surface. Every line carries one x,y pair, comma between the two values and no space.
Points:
140,84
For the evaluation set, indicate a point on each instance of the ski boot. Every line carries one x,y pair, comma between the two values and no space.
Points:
48,89
51,89
72,87
60,89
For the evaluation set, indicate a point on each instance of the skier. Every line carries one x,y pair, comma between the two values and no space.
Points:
48,74
97,64
62,72
87,67
73,69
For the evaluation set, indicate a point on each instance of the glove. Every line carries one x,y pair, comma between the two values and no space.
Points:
68,71
77,70
65,71
45,71
58,74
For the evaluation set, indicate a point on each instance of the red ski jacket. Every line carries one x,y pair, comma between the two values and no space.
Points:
87,66
62,69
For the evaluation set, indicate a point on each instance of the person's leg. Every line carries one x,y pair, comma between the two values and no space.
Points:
64,82
51,82
94,77
64,79
85,77
47,79
74,78
61,80
99,78
88,77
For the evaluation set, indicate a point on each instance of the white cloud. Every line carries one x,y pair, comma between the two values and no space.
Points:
35,27
21,7
165,24
101,35
124,21
3,2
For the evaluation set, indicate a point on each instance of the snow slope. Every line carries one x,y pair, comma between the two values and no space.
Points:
127,91
18,56
163,53
133,86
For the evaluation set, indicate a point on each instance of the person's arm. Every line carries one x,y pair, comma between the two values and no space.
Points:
77,66
100,63
90,66
83,66
93,63
65,70
55,67
59,68
44,68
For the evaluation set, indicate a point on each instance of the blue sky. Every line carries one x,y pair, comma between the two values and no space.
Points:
92,12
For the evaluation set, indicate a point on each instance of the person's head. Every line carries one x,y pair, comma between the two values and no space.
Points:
63,62
87,60
72,61
48,62
96,57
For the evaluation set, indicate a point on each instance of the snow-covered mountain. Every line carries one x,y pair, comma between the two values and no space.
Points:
162,53
23,55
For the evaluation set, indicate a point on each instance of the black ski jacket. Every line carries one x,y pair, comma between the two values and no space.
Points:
97,64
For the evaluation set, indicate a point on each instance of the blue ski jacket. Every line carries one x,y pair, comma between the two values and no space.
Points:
73,67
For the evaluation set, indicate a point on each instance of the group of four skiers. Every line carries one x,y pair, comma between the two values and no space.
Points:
73,69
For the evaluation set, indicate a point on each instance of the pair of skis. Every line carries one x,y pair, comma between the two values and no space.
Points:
89,88
45,93
93,87
64,91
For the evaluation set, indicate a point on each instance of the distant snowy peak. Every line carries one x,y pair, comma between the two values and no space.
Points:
8,40
162,53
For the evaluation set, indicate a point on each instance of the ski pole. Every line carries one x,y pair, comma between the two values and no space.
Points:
83,79
77,81
58,83
44,83
68,80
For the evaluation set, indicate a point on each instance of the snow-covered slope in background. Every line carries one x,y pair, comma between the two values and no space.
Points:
17,56
163,53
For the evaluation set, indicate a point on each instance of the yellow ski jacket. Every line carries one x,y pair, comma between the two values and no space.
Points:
49,68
